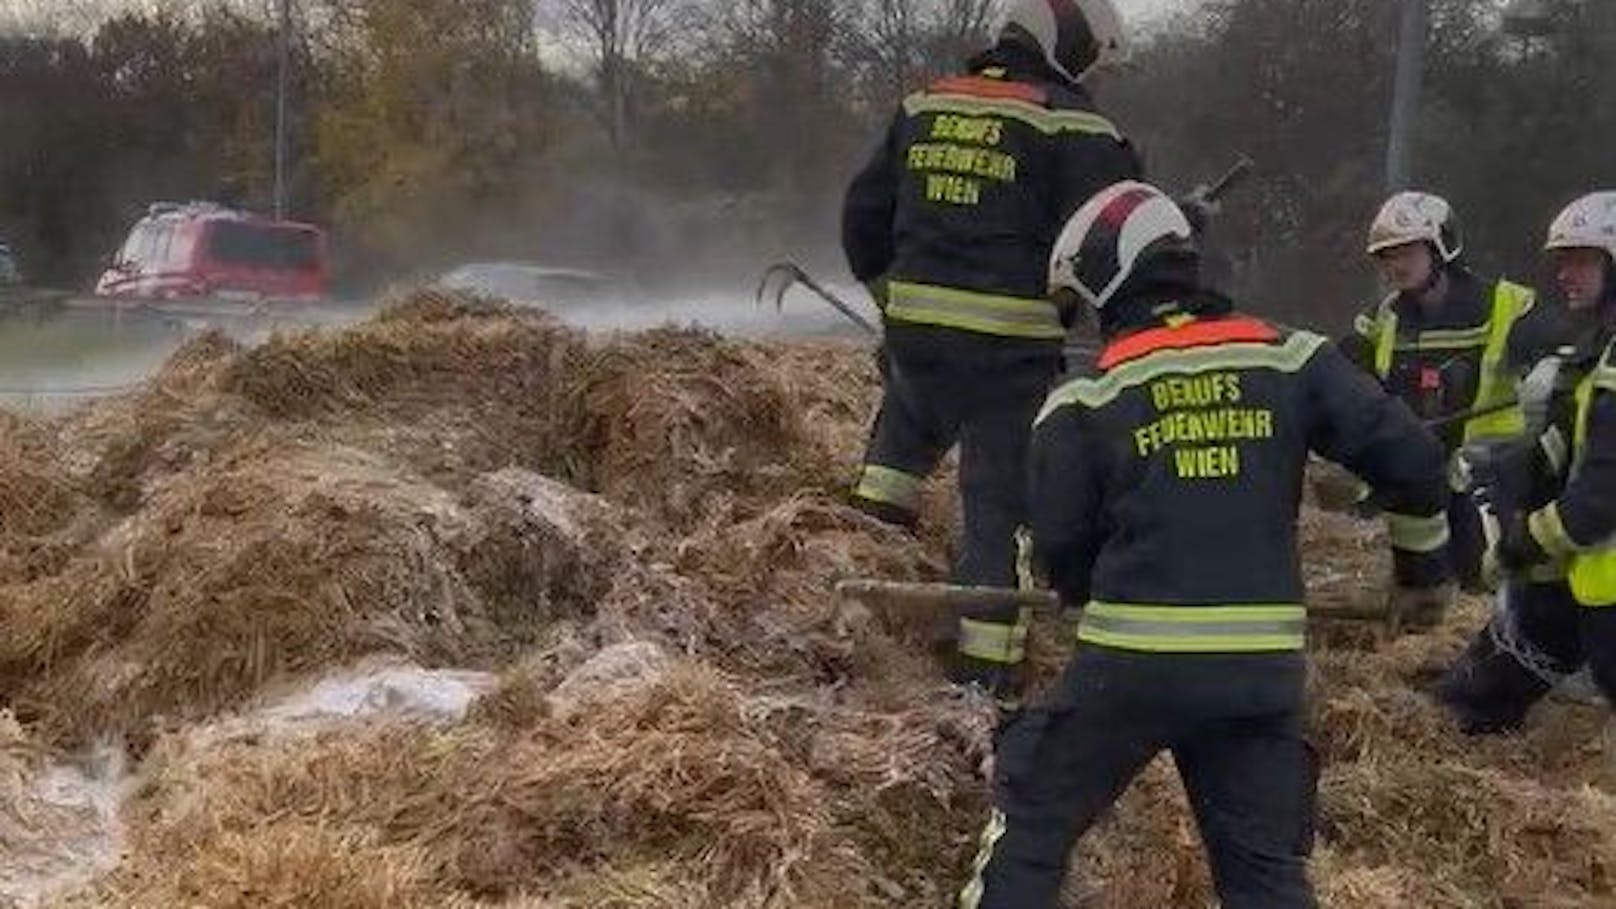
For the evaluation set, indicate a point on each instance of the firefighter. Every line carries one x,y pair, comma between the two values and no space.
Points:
1442,342
950,223
1165,485
1554,498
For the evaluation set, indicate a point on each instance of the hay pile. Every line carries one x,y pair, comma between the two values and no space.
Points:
638,534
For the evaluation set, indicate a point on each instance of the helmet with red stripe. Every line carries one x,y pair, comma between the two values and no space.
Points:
1115,235
1074,36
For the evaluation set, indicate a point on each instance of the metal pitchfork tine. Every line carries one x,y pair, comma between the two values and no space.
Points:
792,273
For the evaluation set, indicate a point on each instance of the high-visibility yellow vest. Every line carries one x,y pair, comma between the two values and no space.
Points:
1494,385
1593,570
1590,566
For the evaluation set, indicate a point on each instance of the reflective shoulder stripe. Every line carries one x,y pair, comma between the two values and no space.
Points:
1516,297
1601,378
1550,532
1386,337
1253,628
1510,302
890,486
993,642
1584,398
1416,534
1098,391
1448,339
1495,385
949,307
1041,118
1366,325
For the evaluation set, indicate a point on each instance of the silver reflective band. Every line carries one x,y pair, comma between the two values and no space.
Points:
1251,628
1196,629
1416,534
970,311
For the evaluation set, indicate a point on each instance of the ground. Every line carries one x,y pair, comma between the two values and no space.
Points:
463,607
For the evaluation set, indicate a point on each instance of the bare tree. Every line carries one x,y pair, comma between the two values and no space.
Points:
900,44
623,37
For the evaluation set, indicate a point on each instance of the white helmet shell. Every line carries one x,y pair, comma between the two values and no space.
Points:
1416,217
1107,239
1588,223
1075,36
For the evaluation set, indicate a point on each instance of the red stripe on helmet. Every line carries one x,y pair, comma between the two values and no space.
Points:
1096,265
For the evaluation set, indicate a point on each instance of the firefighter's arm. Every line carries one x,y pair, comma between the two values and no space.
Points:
1087,163
868,210
1584,515
1358,345
1064,487
1356,424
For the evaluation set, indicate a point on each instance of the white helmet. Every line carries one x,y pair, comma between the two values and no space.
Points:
1075,36
1415,217
1588,223
1111,235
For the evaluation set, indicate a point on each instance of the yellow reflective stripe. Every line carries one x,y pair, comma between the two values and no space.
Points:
1494,385
1365,325
1443,340
971,896
1550,532
1584,397
1036,116
1249,628
1101,390
994,642
1601,378
1593,579
1386,340
1417,534
888,485
1017,317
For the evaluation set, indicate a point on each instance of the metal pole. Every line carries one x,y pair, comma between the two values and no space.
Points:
282,78
1406,94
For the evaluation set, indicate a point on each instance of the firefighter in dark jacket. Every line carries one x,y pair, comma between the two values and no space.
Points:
1442,342
950,225
1554,501
1165,485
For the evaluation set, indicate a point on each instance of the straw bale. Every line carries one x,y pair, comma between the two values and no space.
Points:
684,425
677,769
286,556
641,535
1477,831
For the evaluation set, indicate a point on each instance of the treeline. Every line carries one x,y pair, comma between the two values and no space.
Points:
676,137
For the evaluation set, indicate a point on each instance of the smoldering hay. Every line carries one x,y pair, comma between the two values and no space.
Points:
462,607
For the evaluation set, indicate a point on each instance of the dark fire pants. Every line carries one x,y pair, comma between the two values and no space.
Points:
1492,687
1234,726
941,387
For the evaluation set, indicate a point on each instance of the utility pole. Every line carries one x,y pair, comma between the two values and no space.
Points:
283,77
1406,95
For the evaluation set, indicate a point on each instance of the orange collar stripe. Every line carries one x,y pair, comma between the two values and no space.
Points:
1200,333
983,87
